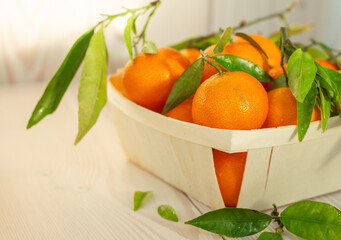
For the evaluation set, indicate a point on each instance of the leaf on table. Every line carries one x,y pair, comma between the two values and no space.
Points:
232,222
92,92
186,85
127,35
305,112
140,198
312,220
167,212
269,236
224,39
301,74
59,83
233,63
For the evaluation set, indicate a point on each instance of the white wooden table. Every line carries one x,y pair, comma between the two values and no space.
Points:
50,189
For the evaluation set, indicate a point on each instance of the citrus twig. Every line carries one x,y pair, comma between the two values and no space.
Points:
281,14
109,17
142,35
273,15
275,215
313,43
282,41
207,60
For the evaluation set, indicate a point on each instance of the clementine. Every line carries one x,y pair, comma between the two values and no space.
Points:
268,46
283,109
149,80
191,54
182,112
229,169
326,63
232,100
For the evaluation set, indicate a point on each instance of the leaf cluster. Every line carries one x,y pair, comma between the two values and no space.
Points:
306,219
190,79
310,82
91,47
313,84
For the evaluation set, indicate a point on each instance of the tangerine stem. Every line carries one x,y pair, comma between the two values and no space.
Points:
279,14
111,17
282,40
207,60
142,35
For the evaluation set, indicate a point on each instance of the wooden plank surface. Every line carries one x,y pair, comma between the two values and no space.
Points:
50,189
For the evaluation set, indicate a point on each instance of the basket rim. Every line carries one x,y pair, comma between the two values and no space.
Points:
222,139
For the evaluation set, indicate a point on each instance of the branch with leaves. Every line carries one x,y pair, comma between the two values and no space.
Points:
91,47
203,42
306,219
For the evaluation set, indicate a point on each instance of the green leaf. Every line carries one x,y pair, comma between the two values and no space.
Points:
57,86
197,42
232,222
301,74
186,85
92,92
328,93
127,35
224,39
312,220
134,24
149,47
305,112
325,80
269,236
233,63
315,53
140,199
280,82
335,77
167,212
325,109
252,42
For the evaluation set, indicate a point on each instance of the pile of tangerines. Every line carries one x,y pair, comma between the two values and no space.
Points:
232,100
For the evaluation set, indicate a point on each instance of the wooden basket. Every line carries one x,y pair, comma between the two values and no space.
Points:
278,168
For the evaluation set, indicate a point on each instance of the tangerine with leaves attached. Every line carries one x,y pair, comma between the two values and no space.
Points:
268,46
242,50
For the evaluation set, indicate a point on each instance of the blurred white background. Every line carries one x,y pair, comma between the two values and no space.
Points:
35,35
